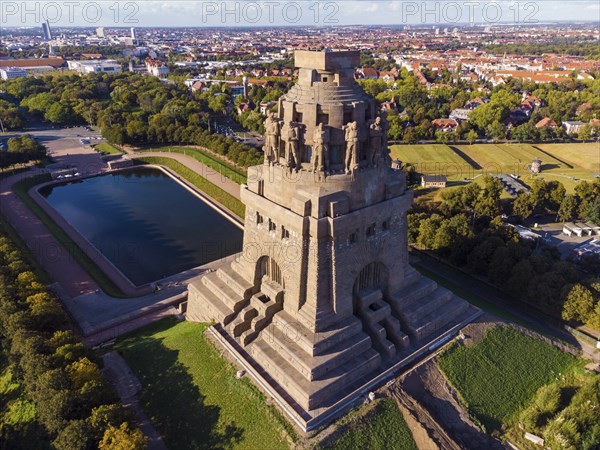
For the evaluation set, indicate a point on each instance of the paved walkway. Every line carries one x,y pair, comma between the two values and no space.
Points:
127,385
56,260
203,170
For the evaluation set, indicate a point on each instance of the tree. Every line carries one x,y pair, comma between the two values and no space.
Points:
123,438
472,136
75,436
522,207
579,304
592,212
83,371
568,208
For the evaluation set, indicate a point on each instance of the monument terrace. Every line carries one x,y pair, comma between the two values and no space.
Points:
322,299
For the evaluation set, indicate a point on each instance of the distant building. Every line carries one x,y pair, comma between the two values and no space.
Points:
8,73
460,114
433,181
157,68
100,32
445,125
133,38
46,32
546,122
536,166
572,127
102,66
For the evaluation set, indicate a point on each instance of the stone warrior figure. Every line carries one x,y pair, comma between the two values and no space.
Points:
375,142
292,134
320,157
387,159
352,143
272,138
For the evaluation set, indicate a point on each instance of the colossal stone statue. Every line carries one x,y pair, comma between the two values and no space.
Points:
320,157
352,147
375,143
272,139
293,135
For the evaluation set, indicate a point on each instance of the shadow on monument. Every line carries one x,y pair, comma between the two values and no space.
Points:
174,403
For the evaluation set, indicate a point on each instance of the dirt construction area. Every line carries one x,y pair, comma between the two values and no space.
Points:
432,408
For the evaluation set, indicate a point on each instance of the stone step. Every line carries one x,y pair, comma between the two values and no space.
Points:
243,321
438,319
316,343
223,313
380,341
375,312
312,394
368,296
316,366
221,290
394,332
412,293
425,305
234,280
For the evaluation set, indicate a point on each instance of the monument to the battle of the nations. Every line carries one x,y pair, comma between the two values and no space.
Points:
322,298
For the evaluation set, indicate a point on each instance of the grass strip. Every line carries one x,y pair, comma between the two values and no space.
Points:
212,190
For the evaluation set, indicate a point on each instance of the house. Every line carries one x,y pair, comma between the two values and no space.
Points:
433,181
8,73
265,107
459,114
584,76
584,108
367,73
444,125
198,86
392,105
572,127
243,107
546,122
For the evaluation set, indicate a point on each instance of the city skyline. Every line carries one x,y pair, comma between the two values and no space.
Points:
184,13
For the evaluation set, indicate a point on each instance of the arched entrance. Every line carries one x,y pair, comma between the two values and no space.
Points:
267,266
373,275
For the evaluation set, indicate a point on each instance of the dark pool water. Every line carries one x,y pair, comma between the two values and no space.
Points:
145,223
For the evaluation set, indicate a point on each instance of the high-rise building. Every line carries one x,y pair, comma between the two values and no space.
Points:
46,31
100,32
133,33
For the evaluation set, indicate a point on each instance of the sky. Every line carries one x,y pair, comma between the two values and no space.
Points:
190,13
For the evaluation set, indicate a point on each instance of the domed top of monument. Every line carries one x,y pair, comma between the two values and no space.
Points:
327,133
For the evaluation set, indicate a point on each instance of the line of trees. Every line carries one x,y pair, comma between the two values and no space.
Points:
468,231
62,379
130,109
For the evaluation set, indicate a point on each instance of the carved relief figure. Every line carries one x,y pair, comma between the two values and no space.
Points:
272,138
352,146
320,157
375,142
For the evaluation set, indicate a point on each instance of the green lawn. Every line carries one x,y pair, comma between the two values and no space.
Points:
498,377
208,160
382,427
586,155
21,189
105,148
191,393
566,162
210,189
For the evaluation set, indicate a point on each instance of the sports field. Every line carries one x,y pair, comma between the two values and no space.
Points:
567,162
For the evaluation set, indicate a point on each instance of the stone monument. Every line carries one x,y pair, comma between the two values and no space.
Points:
322,298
